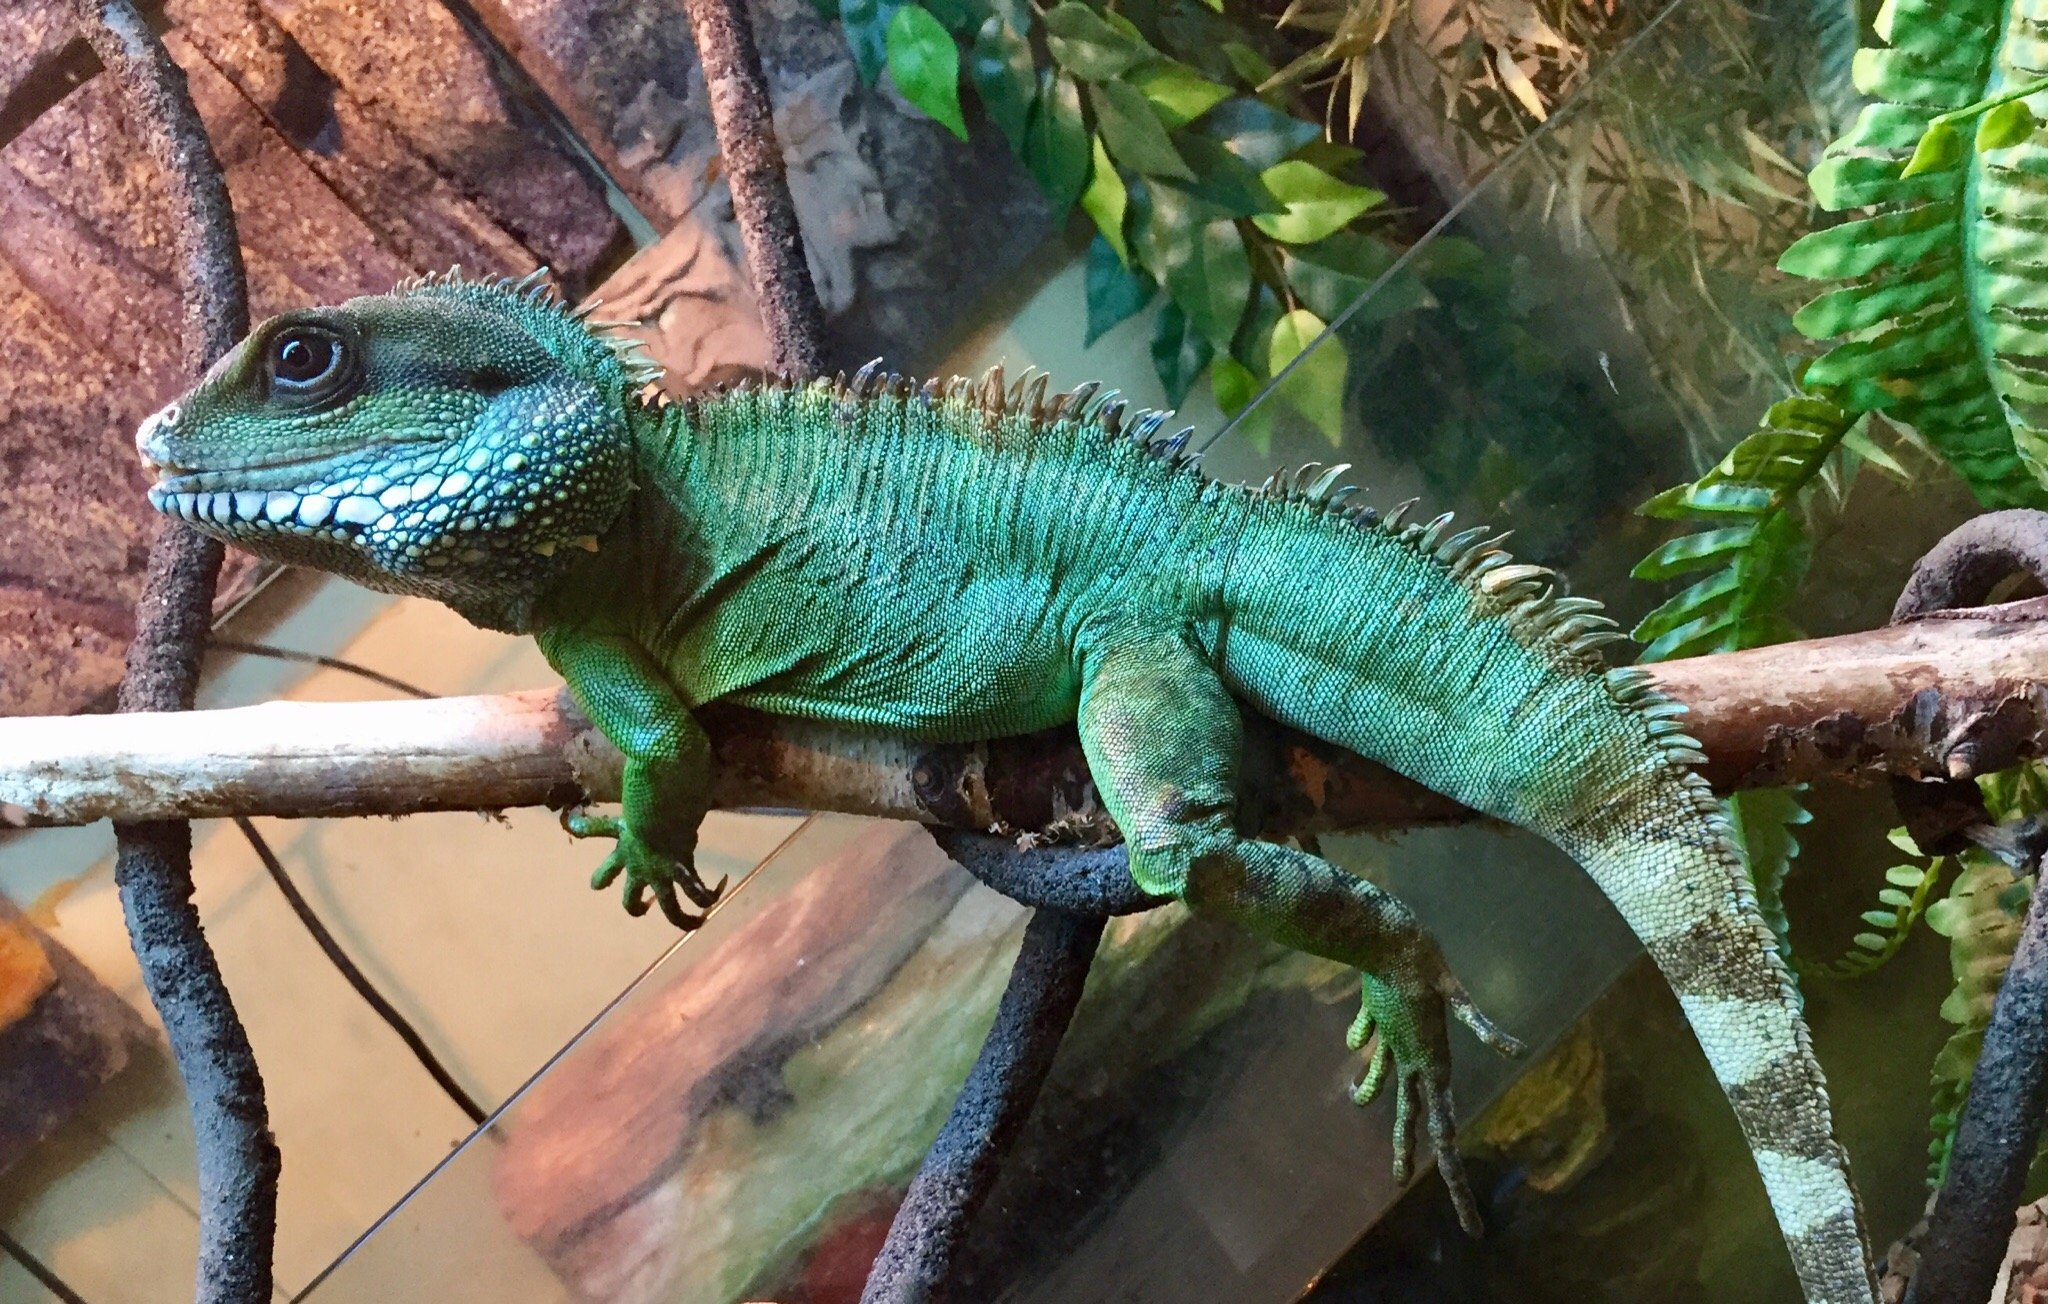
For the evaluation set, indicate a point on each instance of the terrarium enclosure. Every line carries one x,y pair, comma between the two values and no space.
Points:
1518,260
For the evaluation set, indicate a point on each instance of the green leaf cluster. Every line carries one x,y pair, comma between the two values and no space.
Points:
1755,545
1152,118
1981,917
1936,322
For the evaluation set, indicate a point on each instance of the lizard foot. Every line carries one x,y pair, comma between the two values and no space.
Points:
651,876
1403,1015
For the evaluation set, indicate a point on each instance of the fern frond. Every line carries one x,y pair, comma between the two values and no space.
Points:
1908,892
1756,545
1981,917
1943,322
1764,821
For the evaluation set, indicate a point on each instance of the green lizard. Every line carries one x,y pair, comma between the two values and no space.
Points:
955,562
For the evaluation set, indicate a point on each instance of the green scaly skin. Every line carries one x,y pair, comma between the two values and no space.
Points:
960,563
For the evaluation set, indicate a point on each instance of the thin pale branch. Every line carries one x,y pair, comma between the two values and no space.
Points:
1914,699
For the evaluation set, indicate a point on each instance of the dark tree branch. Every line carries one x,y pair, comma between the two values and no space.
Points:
774,245
1058,946
959,1171
1083,880
2000,1128
237,1157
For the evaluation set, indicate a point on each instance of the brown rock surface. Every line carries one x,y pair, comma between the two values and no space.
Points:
413,68
362,143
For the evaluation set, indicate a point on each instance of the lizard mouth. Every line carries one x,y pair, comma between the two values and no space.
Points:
281,509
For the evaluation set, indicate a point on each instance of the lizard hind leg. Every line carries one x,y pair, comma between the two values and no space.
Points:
1163,740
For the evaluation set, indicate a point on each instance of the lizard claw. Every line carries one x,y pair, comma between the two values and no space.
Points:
1402,1018
651,876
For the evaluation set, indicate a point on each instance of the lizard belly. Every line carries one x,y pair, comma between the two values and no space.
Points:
954,692
987,661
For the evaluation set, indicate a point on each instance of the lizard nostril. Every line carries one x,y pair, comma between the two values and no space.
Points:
156,423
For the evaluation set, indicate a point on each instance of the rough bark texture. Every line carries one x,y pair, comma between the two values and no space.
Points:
960,1170
760,186
238,1158
1074,880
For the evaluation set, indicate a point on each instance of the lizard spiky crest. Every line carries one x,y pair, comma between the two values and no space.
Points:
1531,600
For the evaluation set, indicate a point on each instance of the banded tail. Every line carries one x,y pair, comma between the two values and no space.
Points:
1477,677
1674,875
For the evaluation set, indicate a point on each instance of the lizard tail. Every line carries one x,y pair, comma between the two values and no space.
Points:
1665,858
1482,679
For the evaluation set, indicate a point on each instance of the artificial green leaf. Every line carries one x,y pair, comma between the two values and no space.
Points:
1691,552
1087,46
1004,77
1710,597
1201,258
1329,155
1256,132
1232,383
1250,66
1178,93
867,25
925,65
1056,143
1318,204
1331,275
1860,443
1222,178
1105,200
1315,386
1178,353
1252,345
1115,292
1133,131
1710,631
1328,291
2005,126
1940,148
1719,498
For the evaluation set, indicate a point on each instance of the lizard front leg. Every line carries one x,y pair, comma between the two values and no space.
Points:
1163,740
667,782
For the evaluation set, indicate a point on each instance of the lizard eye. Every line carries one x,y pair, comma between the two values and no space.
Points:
303,358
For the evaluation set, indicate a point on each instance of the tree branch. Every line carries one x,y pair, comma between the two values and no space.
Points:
774,245
1907,699
237,1157
960,1170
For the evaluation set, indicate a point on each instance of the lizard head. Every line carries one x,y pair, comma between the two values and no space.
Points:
453,439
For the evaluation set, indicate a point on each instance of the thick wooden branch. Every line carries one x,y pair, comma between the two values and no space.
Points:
1922,698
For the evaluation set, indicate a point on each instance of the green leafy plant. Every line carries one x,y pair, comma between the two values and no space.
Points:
1937,323
1937,319
1200,165
1906,897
